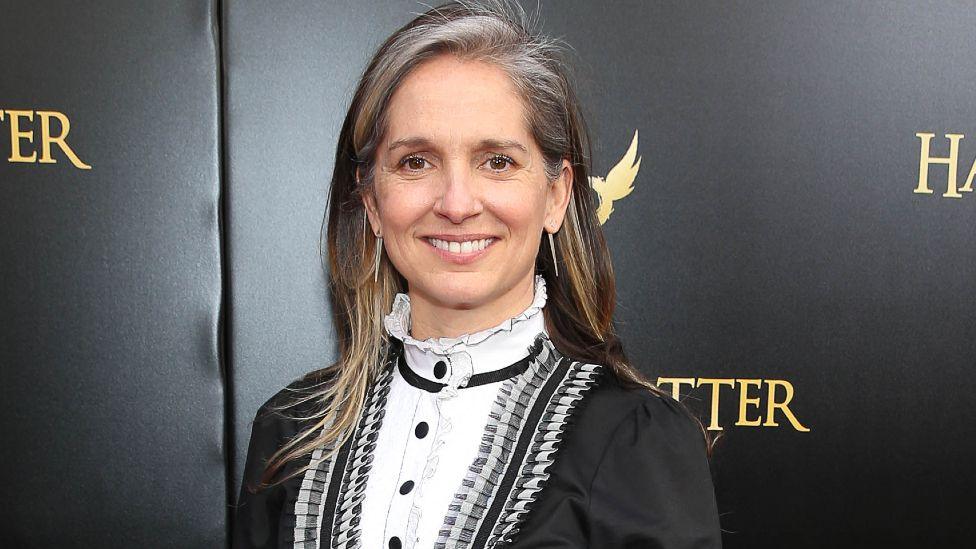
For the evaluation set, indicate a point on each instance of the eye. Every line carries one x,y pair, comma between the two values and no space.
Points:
413,162
499,161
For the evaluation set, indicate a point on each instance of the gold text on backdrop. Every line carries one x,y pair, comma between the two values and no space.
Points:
925,159
745,400
17,134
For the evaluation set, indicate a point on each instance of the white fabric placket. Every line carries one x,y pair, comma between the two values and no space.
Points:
456,416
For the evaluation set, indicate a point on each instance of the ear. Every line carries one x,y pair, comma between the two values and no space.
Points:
372,211
560,193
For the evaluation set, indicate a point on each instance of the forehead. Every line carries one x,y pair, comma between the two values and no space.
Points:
446,99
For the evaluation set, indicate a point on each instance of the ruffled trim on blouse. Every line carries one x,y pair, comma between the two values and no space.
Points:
445,426
397,323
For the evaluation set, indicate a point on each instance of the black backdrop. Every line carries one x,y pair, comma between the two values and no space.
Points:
776,249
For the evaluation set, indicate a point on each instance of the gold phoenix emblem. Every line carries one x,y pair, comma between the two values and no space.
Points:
618,183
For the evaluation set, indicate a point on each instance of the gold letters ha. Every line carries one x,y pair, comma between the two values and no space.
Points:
925,159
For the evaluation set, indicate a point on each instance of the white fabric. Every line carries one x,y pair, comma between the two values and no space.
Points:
456,416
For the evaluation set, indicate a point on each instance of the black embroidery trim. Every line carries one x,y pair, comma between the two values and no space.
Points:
332,497
325,490
516,458
564,410
526,426
349,507
506,420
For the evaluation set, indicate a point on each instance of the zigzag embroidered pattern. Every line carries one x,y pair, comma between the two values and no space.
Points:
308,515
345,534
315,484
469,513
545,445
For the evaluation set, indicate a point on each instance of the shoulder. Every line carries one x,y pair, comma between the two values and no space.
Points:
618,421
631,470
285,410
615,408
287,413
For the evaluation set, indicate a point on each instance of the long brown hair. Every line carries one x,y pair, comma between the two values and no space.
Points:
580,305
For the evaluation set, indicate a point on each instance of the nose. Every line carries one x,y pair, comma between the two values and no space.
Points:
459,197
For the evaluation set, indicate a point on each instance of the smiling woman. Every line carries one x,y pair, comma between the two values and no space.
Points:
481,397
462,168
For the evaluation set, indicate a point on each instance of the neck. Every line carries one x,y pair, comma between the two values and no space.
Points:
478,356
429,318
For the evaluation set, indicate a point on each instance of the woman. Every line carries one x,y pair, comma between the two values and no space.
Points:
481,398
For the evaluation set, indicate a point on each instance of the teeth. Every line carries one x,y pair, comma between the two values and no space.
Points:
461,247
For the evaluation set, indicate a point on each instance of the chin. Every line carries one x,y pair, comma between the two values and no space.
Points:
460,290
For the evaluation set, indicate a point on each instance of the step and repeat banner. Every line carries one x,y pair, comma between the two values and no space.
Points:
795,259
111,390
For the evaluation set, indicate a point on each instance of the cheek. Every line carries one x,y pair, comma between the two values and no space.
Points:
523,215
400,209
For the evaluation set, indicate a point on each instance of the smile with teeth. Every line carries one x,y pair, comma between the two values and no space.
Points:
465,247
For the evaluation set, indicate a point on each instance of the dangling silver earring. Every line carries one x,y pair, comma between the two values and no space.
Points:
552,248
376,262
377,254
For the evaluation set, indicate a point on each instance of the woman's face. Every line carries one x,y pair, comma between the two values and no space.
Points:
460,196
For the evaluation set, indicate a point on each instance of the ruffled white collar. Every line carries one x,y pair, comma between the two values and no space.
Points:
457,358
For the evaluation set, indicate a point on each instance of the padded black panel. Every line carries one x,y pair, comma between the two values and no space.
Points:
111,400
772,234
290,77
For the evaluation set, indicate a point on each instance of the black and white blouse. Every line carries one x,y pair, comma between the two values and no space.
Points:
491,439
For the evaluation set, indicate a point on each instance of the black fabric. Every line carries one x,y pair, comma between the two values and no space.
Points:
332,498
518,455
631,473
265,518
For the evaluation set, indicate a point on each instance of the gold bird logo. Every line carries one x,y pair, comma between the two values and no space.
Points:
618,183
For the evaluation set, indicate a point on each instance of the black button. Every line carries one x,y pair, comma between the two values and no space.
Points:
395,543
406,487
440,369
421,430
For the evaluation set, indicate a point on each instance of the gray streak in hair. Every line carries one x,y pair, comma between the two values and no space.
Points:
493,31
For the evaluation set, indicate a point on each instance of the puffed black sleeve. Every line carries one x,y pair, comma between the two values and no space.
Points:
256,515
652,488
265,518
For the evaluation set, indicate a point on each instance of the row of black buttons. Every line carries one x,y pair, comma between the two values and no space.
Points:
404,490
440,370
421,431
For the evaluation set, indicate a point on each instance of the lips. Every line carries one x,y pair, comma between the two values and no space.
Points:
460,250
461,247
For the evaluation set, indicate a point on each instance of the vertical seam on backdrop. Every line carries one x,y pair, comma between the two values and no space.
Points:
224,350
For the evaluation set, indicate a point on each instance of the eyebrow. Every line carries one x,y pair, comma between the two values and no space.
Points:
483,144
